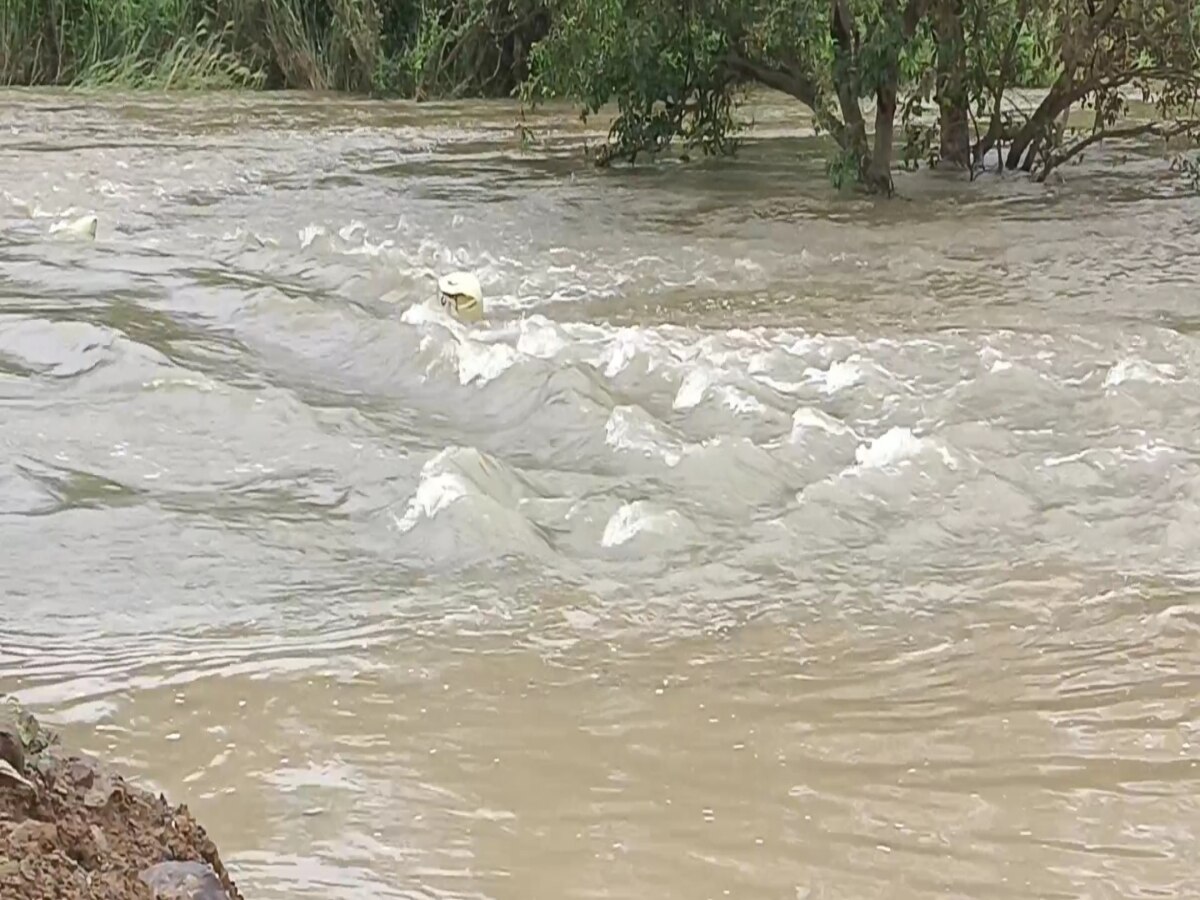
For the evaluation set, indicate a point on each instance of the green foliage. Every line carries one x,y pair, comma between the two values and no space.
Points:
660,61
129,42
456,48
414,47
674,69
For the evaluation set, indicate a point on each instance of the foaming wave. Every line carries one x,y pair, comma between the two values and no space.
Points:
806,419
1133,369
541,338
648,525
898,445
734,476
466,508
631,428
724,473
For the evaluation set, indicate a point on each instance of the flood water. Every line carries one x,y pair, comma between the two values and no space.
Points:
765,544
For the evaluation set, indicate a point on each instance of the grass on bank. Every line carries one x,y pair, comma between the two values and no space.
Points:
421,48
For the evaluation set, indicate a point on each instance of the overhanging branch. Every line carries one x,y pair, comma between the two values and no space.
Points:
1164,130
788,81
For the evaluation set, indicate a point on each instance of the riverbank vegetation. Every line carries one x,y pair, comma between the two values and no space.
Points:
891,82
941,72
416,48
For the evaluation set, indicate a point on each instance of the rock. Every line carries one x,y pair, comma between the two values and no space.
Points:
33,832
98,797
11,774
184,881
71,829
24,728
12,751
81,773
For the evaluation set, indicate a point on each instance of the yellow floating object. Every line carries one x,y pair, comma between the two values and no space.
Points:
462,296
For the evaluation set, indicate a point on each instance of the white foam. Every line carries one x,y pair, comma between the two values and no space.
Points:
347,232
806,418
635,518
481,363
310,233
897,445
994,359
427,312
839,375
631,428
739,401
718,369
455,474
1133,369
623,347
434,493
539,337
692,388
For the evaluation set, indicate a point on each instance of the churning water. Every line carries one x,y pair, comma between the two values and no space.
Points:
765,543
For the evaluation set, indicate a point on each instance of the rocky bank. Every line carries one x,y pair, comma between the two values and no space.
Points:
70,828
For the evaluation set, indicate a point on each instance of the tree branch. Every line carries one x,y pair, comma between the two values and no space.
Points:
1161,129
789,82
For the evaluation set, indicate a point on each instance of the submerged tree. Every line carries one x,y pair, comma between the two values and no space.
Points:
675,69
1107,51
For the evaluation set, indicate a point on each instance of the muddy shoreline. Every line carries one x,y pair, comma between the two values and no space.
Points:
71,827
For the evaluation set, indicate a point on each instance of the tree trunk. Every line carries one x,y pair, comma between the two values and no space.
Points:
854,135
1028,140
879,167
873,166
951,96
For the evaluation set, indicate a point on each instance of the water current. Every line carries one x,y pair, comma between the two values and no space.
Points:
765,543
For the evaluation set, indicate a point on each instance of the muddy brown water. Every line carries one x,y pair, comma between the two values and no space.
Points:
767,543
